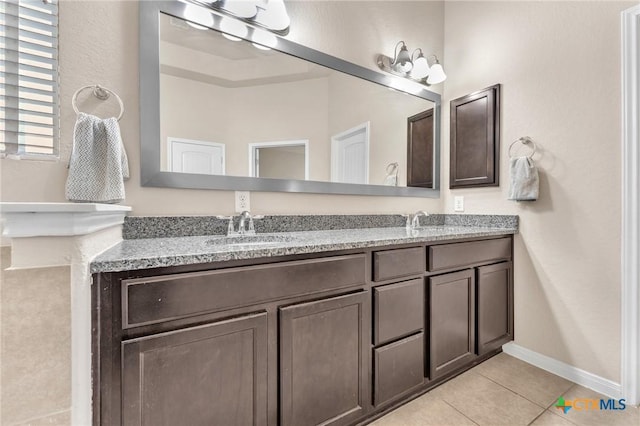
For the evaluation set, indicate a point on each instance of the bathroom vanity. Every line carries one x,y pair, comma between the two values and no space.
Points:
324,327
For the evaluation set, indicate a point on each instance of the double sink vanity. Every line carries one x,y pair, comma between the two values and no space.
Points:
329,325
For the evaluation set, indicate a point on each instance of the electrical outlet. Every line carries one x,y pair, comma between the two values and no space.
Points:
243,201
458,204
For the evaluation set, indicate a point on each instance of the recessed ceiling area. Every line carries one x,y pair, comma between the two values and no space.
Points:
208,57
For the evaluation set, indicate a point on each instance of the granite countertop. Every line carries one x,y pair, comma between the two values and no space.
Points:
146,253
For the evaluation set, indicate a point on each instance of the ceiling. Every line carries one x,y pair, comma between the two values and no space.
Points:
232,63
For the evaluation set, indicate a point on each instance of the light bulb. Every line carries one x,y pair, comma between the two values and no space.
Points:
274,16
264,40
233,29
402,62
436,74
198,14
241,8
420,68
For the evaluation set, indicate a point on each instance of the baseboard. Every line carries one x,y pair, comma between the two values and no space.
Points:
569,372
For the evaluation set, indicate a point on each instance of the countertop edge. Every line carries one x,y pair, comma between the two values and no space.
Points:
150,262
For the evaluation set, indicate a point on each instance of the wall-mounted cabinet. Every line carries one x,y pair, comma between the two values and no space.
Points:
475,139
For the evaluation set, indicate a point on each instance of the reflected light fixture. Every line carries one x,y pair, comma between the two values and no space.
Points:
414,67
198,14
233,29
270,15
263,40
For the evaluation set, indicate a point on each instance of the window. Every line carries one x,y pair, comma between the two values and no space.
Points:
29,78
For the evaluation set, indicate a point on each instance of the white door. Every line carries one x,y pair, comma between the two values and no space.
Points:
350,155
189,156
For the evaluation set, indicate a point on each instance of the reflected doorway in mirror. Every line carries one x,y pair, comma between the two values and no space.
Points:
199,157
279,159
350,155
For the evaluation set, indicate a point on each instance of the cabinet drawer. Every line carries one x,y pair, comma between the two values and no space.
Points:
397,263
398,310
162,298
449,256
399,367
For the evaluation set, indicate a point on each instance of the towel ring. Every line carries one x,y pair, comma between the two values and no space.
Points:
99,92
526,140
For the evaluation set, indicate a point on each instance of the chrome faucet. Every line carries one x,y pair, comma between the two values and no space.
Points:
242,226
415,219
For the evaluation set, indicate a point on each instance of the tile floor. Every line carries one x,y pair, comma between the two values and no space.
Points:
505,391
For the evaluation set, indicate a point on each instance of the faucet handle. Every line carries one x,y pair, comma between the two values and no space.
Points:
252,229
415,222
407,223
230,230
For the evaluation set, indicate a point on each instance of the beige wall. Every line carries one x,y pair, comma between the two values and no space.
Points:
36,349
301,113
313,109
386,110
98,44
559,66
195,110
189,114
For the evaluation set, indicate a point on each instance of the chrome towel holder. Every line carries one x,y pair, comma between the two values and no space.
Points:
99,92
527,141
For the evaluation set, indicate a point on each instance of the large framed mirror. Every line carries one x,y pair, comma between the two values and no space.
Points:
247,110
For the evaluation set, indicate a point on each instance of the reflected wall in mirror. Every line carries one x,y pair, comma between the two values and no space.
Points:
234,115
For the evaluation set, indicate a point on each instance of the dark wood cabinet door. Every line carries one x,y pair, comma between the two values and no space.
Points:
213,374
420,150
324,370
475,139
495,306
451,321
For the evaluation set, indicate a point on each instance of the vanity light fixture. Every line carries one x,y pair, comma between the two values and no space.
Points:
270,15
415,66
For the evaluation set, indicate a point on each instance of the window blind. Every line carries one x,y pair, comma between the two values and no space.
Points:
29,78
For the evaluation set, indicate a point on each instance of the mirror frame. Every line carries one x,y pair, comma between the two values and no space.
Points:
151,174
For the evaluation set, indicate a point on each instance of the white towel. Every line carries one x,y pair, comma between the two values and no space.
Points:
98,164
524,179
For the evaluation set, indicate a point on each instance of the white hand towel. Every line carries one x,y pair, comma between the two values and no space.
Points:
524,179
98,164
